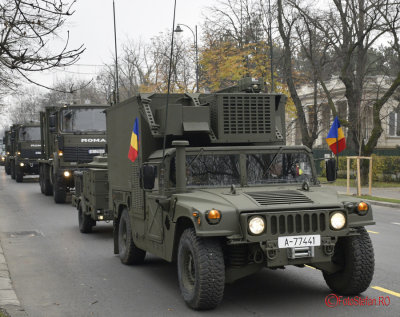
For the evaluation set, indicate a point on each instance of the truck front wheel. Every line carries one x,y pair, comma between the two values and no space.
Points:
12,168
355,255
201,270
44,180
85,222
129,253
59,192
19,174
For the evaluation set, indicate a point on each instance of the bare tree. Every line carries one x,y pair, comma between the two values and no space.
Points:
26,30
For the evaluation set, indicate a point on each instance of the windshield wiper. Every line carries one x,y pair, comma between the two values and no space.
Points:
273,160
195,158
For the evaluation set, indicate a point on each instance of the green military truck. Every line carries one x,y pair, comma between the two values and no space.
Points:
91,194
71,136
226,197
27,151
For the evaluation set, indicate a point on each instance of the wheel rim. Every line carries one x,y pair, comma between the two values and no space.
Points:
189,270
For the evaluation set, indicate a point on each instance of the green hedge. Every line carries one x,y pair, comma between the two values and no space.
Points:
384,168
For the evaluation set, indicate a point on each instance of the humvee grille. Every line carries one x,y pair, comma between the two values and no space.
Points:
79,154
246,114
297,223
279,197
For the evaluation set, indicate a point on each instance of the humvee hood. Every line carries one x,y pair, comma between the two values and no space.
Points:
257,198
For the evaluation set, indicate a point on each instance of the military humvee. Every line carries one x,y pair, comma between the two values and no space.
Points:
71,136
27,151
225,197
91,194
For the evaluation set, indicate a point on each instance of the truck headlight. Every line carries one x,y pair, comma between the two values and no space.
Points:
67,174
256,225
21,164
3,158
60,153
338,220
18,153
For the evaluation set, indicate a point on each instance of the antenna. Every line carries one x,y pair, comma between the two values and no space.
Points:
169,80
116,95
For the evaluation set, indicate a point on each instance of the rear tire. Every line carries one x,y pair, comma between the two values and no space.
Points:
129,253
356,255
85,221
19,174
201,270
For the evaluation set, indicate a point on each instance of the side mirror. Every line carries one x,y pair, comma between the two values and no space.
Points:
330,165
149,176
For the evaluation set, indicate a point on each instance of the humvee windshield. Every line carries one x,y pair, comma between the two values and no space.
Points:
261,168
29,134
83,120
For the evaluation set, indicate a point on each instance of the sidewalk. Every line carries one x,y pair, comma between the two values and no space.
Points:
8,299
389,192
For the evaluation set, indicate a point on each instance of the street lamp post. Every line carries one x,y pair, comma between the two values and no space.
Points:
178,29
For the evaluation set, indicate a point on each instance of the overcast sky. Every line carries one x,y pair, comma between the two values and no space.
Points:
92,25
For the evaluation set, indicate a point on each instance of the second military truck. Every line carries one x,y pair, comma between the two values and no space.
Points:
71,136
209,183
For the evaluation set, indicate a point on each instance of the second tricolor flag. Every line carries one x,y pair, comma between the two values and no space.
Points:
134,146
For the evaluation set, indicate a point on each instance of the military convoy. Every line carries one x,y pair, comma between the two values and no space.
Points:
71,136
211,186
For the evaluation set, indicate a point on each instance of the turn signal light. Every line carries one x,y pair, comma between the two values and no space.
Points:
213,216
362,208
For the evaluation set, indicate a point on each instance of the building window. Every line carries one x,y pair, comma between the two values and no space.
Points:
394,123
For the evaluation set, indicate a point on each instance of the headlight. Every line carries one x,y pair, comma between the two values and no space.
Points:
67,174
338,220
21,164
18,153
257,225
60,153
3,158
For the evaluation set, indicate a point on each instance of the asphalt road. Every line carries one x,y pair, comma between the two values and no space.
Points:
57,271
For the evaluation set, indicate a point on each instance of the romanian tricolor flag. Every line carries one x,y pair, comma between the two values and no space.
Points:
134,146
335,137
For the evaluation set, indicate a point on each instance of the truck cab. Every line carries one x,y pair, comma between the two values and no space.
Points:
71,136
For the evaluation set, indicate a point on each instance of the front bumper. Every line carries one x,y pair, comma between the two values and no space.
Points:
28,166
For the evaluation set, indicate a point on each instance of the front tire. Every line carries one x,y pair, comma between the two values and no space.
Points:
356,255
12,168
19,174
44,180
129,253
59,193
201,270
85,221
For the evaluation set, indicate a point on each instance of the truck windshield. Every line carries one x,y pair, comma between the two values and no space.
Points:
212,170
29,134
278,168
83,120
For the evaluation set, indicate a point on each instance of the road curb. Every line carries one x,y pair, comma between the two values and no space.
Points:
374,202
8,299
